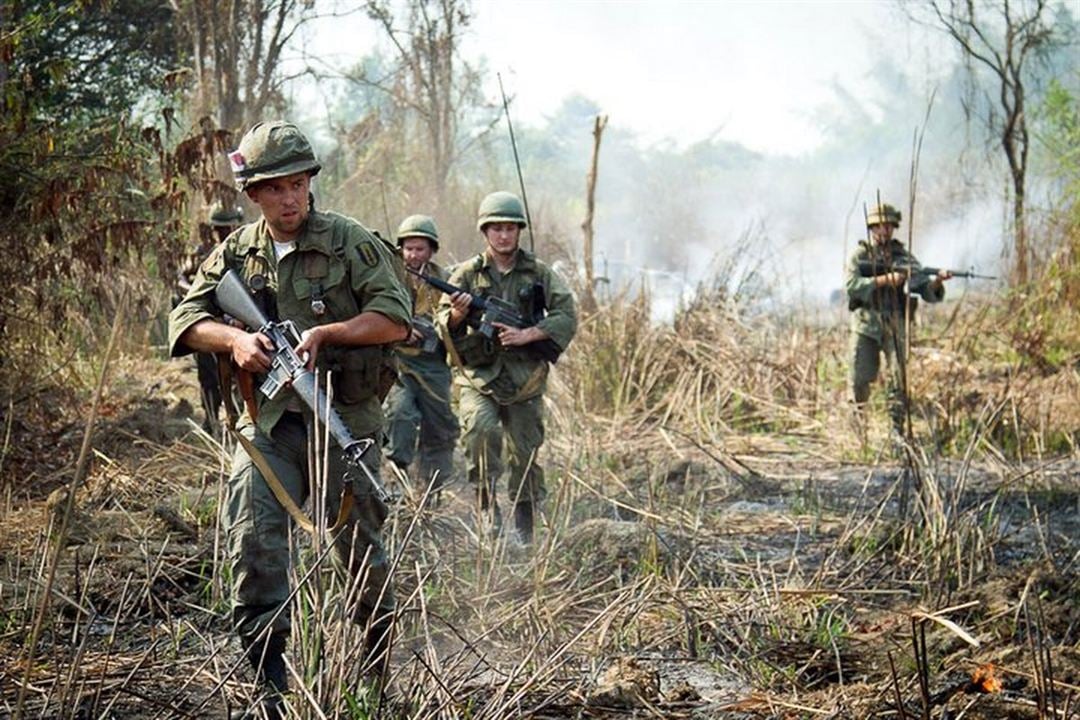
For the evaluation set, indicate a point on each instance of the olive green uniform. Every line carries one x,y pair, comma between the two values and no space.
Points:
340,269
418,406
877,322
501,389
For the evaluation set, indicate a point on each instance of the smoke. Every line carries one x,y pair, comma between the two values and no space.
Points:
669,216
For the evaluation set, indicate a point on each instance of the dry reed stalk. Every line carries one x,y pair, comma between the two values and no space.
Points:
61,535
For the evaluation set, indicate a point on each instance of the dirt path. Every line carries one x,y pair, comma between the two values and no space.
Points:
670,587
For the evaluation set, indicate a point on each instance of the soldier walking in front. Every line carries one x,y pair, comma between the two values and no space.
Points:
337,283
418,407
881,278
502,379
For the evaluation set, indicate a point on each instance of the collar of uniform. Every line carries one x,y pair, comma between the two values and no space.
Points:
256,239
316,235
434,269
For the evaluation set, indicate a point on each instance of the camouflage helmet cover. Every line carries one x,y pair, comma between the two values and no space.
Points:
500,206
272,150
222,216
883,214
418,226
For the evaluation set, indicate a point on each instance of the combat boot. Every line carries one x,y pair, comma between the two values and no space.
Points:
268,660
523,522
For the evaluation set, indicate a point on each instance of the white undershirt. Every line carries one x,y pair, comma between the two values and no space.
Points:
283,249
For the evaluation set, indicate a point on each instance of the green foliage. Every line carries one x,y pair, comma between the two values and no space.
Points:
78,180
1061,137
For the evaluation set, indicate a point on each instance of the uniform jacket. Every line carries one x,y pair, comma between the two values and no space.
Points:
337,261
514,374
880,309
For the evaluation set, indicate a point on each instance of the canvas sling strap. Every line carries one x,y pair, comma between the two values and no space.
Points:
283,496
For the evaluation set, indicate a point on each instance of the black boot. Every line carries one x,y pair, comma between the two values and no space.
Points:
377,646
267,658
523,522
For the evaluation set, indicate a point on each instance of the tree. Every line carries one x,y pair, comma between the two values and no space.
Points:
236,53
75,172
428,80
1005,38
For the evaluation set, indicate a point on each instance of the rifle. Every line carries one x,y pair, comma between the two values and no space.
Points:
429,338
922,274
485,311
287,368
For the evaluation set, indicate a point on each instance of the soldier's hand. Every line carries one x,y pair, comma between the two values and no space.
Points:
249,351
944,275
310,342
516,337
891,279
459,307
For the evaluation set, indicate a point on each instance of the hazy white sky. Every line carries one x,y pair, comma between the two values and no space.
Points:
753,72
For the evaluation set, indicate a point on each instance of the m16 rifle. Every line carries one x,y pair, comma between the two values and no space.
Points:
485,312
918,275
287,368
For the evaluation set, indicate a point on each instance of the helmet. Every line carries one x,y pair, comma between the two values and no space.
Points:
272,150
881,214
418,226
222,216
500,207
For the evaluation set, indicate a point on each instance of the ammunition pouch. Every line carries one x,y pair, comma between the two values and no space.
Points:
355,372
475,350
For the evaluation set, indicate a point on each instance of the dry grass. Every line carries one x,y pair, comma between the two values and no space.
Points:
717,542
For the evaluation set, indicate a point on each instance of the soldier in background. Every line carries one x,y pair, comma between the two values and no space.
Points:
502,380
418,406
881,278
222,221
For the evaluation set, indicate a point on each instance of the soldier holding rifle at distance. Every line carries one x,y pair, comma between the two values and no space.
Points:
418,407
882,278
221,222
502,375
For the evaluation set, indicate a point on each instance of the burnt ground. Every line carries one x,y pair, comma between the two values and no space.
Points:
667,586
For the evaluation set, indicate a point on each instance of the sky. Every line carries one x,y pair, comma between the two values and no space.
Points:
747,72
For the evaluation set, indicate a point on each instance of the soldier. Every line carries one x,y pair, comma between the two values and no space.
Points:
337,282
222,222
419,403
502,382
881,277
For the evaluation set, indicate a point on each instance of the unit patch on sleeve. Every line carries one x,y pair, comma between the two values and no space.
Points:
368,254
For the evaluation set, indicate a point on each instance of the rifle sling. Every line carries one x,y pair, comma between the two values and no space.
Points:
226,371
283,496
246,382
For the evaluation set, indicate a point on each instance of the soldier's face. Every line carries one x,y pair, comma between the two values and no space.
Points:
284,204
416,251
882,232
502,237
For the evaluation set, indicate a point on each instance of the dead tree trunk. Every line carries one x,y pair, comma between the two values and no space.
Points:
589,301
